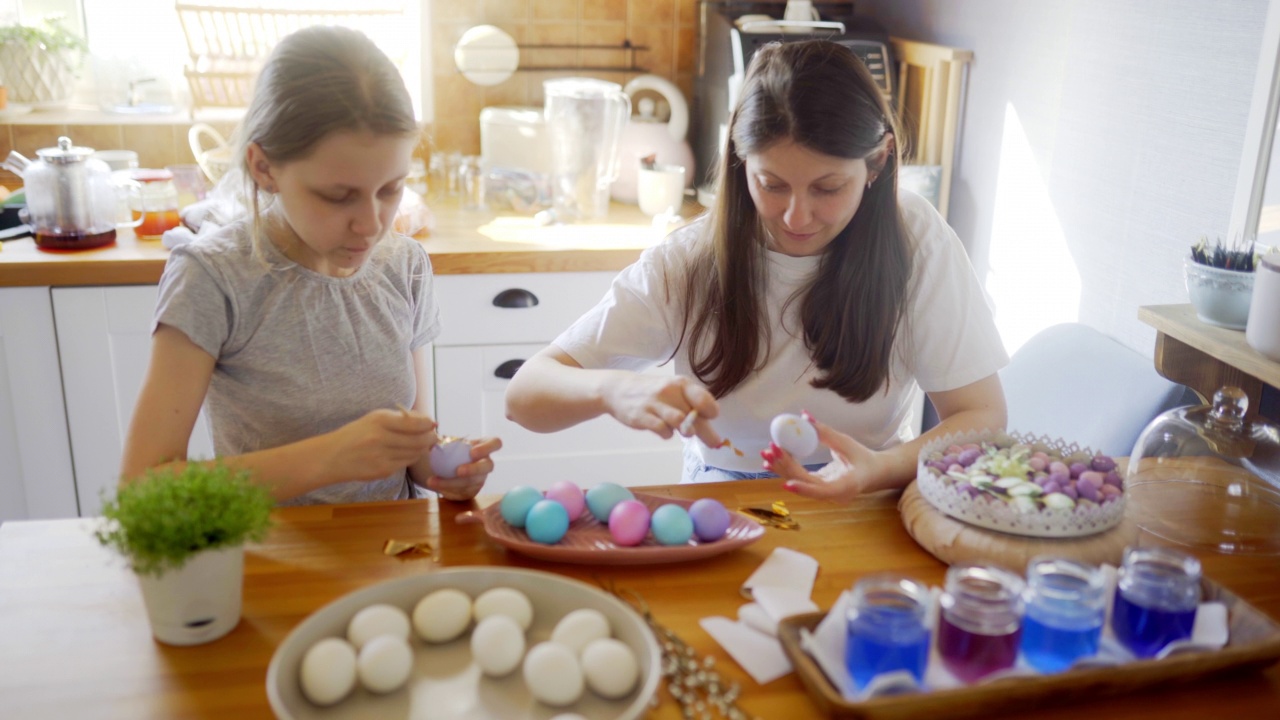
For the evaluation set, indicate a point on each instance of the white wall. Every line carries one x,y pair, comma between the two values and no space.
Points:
1100,139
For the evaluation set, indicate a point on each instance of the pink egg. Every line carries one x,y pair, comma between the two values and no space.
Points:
629,522
570,496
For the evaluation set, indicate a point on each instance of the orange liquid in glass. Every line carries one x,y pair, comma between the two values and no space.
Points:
155,222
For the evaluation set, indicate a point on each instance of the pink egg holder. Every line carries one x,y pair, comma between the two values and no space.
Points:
945,495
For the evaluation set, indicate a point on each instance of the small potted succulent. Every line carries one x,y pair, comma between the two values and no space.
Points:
183,534
40,62
1220,281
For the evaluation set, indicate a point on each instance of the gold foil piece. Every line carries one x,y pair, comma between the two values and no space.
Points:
405,549
777,516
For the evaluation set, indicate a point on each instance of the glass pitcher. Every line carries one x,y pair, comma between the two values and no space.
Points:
584,119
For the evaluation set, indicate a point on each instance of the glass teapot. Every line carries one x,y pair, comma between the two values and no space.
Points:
1204,477
73,202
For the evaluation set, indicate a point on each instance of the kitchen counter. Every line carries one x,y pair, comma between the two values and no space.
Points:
462,243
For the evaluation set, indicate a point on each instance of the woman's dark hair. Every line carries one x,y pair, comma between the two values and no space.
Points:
819,95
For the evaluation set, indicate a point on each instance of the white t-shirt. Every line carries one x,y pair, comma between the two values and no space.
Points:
949,340
300,353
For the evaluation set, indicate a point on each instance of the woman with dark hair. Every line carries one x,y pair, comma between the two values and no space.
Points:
812,284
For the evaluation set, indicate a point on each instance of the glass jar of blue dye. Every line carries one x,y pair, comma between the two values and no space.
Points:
1066,603
1156,598
887,628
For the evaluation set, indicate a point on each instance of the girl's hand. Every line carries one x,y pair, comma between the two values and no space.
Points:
471,476
660,404
379,444
852,470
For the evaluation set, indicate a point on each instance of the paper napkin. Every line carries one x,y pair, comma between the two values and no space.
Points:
784,568
760,655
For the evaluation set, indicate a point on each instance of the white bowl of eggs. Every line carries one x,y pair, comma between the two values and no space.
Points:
468,643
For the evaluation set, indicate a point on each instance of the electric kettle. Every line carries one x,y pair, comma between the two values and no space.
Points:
646,135
72,199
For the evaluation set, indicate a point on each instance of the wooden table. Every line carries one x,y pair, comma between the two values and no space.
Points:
1204,357
74,641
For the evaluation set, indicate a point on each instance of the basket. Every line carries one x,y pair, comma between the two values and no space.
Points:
229,44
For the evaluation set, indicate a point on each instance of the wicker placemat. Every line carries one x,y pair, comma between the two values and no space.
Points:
955,542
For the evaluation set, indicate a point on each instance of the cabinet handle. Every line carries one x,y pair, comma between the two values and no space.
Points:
507,370
515,298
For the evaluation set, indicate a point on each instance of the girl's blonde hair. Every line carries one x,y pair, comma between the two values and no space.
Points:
317,81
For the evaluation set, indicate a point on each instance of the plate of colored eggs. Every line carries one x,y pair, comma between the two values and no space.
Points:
609,524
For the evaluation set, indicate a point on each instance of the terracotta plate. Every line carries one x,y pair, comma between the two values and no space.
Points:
589,542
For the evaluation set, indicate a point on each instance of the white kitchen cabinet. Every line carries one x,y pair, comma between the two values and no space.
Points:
104,343
482,343
36,478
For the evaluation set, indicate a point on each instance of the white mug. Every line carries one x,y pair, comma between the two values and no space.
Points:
1262,331
660,189
801,10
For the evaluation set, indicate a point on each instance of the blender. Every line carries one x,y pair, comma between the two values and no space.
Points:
584,118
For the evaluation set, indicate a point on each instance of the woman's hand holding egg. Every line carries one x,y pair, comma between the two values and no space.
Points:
852,469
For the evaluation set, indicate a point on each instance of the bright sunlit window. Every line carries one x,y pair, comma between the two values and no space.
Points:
142,51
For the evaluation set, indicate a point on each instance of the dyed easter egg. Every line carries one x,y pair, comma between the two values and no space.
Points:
629,522
671,525
516,503
448,455
570,496
710,519
602,498
794,434
547,522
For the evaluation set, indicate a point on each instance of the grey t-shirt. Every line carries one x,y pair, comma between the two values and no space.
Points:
300,353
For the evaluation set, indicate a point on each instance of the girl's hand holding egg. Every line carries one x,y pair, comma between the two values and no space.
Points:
459,466
853,470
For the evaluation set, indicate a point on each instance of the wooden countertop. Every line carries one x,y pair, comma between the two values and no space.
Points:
76,641
1223,344
462,243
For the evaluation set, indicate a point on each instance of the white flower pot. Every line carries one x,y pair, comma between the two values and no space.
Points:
1220,297
43,80
198,602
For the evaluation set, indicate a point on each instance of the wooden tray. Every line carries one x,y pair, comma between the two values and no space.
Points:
1254,643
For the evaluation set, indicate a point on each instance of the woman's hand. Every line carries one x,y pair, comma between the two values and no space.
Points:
379,444
471,475
661,404
853,470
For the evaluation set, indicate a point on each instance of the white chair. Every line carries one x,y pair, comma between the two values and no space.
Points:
1070,381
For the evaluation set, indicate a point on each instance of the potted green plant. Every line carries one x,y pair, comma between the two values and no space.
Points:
183,534
39,62
1220,281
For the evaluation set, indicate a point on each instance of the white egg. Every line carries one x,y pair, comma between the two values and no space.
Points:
504,601
795,435
553,675
610,667
442,615
384,663
377,620
328,671
497,644
579,628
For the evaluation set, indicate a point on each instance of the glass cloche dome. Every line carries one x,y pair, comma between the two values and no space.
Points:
1206,478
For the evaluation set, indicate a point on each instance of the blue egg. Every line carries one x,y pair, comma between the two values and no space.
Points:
602,498
516,503
671,525
547,522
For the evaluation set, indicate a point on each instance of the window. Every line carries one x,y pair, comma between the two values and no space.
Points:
141,50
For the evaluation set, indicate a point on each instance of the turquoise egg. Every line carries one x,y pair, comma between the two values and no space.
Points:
547,522
671,525
516,503
602,498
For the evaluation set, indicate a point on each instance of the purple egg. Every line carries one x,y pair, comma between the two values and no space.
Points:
1051,487
1077,468
1113,478
969,456
1070,491
710,519
1093,477
1087,490
1102,463
629,522
447,456
570,496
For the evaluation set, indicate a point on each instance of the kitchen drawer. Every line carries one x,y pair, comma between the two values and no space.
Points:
472,310
470,401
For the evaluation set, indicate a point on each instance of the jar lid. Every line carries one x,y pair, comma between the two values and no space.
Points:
148,175
64,152
1205,477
